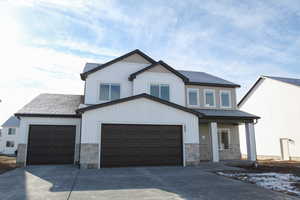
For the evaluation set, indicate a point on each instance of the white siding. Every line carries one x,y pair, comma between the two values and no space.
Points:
27,121
139,111
5,137
141,84
277,104
115,73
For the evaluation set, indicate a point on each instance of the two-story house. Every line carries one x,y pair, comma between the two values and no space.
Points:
136,111
9,136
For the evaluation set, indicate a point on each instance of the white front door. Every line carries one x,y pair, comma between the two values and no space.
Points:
285,152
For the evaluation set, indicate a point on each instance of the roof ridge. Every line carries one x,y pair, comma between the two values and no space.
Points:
280,77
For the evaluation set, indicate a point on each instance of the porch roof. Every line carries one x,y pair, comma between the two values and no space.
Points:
226,114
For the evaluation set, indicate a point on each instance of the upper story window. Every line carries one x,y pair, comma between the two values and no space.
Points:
225,99
161,91
193,97
11,131
224,138
109,91
209,98
10,143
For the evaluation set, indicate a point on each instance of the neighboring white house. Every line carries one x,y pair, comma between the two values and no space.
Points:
277,101
9,136
136,111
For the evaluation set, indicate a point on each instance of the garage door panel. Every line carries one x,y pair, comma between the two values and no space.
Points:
140,145
118,141
141,150
137,162
51,144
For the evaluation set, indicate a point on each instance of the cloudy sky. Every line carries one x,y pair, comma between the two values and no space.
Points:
45,44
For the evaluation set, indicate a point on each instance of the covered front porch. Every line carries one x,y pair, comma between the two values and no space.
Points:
219,136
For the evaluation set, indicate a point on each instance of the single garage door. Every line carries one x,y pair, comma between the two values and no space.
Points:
140,145
51,144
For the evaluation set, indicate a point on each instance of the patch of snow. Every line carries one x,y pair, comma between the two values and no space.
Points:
274,181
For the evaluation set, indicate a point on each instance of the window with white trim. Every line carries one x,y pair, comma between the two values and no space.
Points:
11,131
109,91
225,98
161,91
10,143
224,138
193,97
209,98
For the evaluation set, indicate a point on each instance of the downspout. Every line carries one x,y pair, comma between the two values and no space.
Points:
79,149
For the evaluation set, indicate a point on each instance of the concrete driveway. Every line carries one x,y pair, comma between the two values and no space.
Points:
68,182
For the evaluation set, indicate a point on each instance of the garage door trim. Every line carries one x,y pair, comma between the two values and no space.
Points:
143,123
55,125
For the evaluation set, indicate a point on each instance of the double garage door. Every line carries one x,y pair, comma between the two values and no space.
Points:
140,145
51,144
121,145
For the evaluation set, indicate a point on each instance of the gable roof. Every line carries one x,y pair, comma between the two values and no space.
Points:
143,95
205,79
249,92
292,81
90,66
163,64
11,122
50,105
189,77
94,68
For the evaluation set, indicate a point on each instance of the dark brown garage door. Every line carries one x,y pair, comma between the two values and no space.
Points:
51,144
140,145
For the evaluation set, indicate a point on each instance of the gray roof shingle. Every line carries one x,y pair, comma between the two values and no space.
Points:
12,122
202,77
226,113
292,81
52,104
90,66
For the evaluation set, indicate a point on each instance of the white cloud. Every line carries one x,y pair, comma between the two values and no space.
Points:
241,14
87,9
80,46
30,71
191,44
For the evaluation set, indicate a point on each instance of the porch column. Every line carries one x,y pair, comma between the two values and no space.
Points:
250,139
214,141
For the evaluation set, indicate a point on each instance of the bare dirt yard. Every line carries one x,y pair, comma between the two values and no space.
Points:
282,176
292,167
7,163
